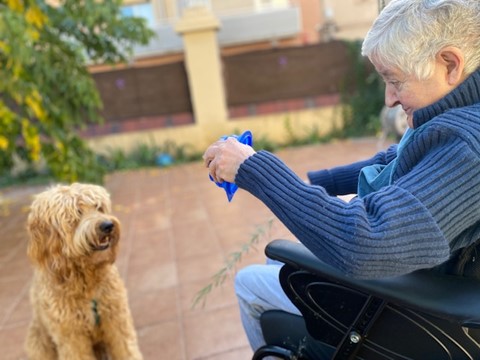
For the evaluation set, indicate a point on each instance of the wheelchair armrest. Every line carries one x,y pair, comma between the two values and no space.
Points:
449,297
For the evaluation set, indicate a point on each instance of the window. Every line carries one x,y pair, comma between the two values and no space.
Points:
143,10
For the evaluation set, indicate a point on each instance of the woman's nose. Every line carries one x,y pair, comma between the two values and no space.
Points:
391,98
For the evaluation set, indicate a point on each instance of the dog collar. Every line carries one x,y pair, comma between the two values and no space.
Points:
96,315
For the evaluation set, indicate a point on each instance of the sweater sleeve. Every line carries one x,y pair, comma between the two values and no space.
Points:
343,180
446,177
387,233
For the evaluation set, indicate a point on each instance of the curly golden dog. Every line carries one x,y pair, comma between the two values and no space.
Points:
80,306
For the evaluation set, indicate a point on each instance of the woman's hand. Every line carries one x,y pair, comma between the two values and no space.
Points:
224,157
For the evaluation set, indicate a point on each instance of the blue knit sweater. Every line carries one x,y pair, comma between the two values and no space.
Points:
431,208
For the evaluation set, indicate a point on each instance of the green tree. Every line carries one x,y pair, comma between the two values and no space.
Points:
46,91
362,95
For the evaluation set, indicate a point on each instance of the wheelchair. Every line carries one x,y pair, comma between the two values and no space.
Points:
422,315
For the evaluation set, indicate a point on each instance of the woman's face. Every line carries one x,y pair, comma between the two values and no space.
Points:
409,92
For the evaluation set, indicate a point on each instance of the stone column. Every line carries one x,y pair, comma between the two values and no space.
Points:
199,27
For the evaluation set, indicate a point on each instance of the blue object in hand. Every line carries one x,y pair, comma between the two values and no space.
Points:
230,188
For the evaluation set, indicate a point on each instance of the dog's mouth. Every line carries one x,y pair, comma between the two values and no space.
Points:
105,236
103,244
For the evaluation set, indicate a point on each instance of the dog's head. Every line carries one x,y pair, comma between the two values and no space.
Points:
72,226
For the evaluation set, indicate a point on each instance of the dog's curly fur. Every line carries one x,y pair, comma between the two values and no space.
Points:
79,302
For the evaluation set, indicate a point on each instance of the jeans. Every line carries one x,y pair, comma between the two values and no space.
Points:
258,290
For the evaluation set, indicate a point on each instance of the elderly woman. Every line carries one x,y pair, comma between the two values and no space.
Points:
417,202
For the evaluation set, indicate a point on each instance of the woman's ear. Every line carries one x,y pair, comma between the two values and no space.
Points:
453,59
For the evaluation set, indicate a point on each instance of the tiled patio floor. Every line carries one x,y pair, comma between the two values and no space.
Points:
178,229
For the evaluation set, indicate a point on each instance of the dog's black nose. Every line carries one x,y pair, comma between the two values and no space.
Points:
106,227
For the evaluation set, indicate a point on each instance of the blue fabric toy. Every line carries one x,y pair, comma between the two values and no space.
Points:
230,188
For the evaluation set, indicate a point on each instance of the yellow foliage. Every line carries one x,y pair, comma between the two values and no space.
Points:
59,145
3,143
34,102
15,5
35,16
15,67
36,148
6,115
32,139
33,34
4,47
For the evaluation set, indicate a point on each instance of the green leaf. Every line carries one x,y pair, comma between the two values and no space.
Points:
43,50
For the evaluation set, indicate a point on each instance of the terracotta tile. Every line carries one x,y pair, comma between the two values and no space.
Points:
153,242
158,276
243,353
11,293
20,311
14,241
162,341
151,221
151,266
152,203
237,236
153,307
197,238
218,297
213,332
182,216
17,266
11,342
187,214
199,267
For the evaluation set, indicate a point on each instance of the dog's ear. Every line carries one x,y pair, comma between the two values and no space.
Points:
45,246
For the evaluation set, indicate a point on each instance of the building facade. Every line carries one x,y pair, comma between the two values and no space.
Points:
199,36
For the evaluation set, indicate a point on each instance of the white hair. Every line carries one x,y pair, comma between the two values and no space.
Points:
408,34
